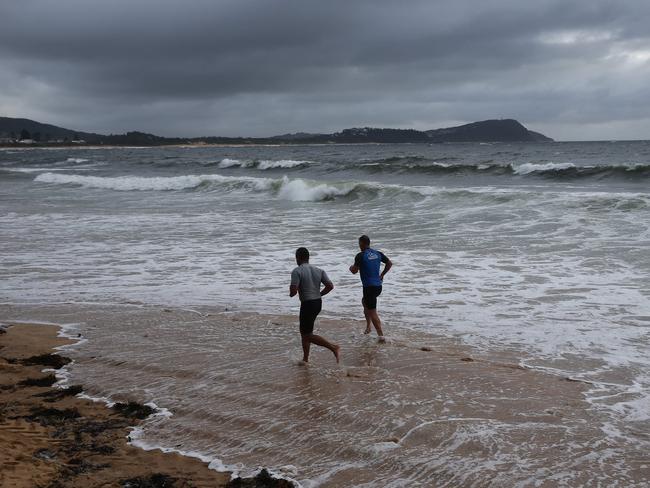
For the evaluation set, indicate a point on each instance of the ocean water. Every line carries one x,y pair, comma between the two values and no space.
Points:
536,252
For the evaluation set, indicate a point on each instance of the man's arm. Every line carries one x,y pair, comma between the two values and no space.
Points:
295,281
387,265
354,269
329,286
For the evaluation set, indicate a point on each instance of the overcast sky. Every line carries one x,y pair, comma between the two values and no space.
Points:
574,70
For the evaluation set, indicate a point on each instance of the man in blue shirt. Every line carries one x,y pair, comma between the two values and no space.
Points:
368,263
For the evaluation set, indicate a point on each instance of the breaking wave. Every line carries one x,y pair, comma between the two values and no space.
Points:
263,164
305,190
546,170
155,183
570,170
296,189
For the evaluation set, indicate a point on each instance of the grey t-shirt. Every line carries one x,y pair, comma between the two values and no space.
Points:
308,279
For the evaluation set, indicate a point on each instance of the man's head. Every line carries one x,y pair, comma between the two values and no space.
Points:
302,255
364,242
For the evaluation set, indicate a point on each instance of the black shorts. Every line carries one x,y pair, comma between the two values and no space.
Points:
370,294
309,310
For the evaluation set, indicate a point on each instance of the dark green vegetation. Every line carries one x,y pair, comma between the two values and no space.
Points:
24,131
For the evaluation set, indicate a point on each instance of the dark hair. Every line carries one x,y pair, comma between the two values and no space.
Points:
302,254
365,239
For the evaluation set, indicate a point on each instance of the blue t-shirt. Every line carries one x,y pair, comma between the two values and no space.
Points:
369,263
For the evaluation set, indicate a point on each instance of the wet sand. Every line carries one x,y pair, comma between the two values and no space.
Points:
50,437
417,411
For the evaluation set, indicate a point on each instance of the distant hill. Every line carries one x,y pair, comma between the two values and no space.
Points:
502,130
43,132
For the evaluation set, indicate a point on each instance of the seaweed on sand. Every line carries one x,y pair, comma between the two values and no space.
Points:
262,480
48,380
133,410
54,361
157,480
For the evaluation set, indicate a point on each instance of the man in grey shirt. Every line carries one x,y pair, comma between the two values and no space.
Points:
305,281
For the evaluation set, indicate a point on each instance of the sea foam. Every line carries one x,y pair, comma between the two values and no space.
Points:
131,183
264,164
303,191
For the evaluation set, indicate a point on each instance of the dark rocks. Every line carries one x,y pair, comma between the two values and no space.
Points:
54,395
98,427
48,380
53,361
262,480
157,480
77,466
133,410
53,416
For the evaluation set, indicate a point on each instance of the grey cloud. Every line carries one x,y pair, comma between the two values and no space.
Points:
262,67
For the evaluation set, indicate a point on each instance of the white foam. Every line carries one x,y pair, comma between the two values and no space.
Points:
229,163
160,183
89,167
303,191
283,163
528,168
76,160
136,439
264,164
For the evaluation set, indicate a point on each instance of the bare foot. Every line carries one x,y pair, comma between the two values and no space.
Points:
305,361
367,331
381,339
337,353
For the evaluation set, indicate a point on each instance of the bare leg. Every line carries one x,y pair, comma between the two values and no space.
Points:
367,316
376,321
321,341
305,347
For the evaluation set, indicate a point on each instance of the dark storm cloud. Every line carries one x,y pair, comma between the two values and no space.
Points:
574,69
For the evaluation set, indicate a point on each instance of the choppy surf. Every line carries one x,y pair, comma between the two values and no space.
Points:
538,249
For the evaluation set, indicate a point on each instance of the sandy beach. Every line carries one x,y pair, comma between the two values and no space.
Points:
50,437
418,411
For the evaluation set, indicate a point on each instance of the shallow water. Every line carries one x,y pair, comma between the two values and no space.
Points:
393,413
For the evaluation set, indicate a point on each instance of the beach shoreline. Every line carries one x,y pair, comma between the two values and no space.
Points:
52,436
443,398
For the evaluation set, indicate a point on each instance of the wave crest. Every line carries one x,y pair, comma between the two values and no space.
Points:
546,170
285,188
264,164
299,190
154,183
